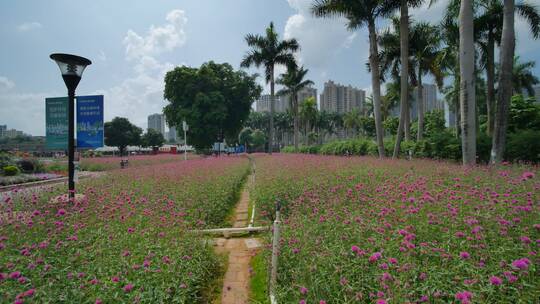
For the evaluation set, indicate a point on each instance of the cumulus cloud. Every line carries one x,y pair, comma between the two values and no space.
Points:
142,94
5,84
320,39
28,26
18,110
159,39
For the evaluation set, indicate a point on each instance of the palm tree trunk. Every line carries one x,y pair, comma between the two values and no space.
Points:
420,106
376,85
271,138
295,123
467,86
505,83
404,119
490,82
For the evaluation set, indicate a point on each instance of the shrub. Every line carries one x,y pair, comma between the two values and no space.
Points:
10,170
523,146
5,160
30,165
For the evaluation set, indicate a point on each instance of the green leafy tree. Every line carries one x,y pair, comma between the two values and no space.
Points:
121,133
214,100
391,125
152,138
244,137
351,120
258,139
268,51
524,114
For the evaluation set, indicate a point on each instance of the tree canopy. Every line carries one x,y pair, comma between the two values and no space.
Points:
121,133
152,138
214,100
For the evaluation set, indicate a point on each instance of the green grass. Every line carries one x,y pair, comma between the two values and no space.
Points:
258,284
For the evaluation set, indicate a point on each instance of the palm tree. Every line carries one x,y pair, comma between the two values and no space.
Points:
294,82
425,48
308,113
269,51
490,24
508,43
467,77
522,77
351,120
361,13
390,43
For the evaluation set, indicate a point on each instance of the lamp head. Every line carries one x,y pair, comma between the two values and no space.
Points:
71,67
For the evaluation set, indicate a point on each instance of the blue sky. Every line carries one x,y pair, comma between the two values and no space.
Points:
133,43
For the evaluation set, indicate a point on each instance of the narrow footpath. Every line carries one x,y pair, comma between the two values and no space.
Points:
240,250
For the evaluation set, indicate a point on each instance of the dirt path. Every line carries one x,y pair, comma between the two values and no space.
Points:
240,250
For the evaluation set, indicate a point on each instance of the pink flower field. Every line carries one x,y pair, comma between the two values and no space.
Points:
126,241
360,230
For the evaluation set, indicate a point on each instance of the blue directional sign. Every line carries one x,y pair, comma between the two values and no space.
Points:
89,121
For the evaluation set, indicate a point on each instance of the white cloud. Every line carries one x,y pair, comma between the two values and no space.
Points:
24,112
102,56
28,26
433,13
142,94
159,38
320,39
6,84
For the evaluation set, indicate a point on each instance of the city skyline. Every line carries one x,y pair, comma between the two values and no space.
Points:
132,46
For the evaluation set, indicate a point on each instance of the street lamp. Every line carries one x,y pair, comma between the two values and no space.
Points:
71,67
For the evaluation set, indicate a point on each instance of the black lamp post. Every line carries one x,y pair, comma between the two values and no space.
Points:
71,67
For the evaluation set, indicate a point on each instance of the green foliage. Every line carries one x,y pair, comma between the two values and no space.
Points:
5,159
391,124
523,146
10,170
258,282
120,133
30,165
258,139
524,114
244,137
152,138
214,100
368,125
434,122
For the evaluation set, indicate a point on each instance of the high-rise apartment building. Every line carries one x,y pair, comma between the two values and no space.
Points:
431,102
3,131
337,98
282,103
172,134
157,122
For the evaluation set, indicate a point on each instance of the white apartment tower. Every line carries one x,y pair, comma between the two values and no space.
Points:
337,98
157,122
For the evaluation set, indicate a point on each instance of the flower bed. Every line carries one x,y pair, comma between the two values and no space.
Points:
111,163
360,230
26,178
125,242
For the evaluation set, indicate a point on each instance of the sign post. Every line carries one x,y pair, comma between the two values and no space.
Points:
185,127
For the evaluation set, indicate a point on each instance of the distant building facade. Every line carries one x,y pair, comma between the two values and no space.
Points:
337,98
157,122
172,134
537,93
282,103
431,103
3,131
